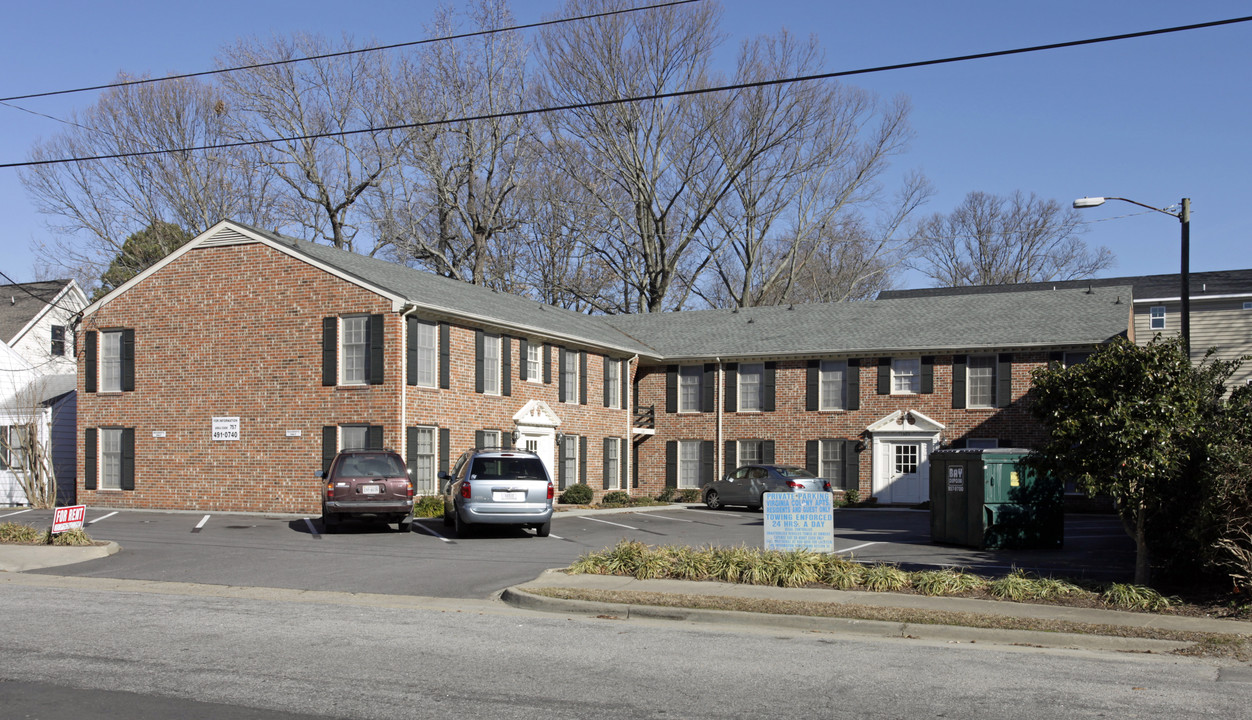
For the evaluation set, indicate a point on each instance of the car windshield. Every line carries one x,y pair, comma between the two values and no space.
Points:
794,472
520,468
371,466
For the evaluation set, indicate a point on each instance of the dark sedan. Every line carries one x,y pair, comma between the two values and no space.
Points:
747,485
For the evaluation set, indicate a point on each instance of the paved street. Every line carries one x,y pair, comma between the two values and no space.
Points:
292,552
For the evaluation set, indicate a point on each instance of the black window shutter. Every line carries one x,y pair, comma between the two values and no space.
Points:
732,387
560,373
478,360
767,387
410,350
445,356
812,384
812,456
671,389
624,371
767,452
479,438
560,462
128,359
523,360
671,463
445,447
330,437
851,466
330,350
707,468
604,372
958,381
582,377
634,464
377,336
884,376
928,374
709,387
374,437
731,460
547,364
853,380
608,482
410,449
1004,380
89,362
90,466
506,365
582,460
128,458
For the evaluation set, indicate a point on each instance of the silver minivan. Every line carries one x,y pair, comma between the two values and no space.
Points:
494,486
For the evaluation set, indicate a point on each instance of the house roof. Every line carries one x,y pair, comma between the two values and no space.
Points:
1146,287
968,322
22,302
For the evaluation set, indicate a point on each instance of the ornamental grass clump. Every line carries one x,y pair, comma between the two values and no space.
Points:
592,563
796,568
11,532
1135,597
1054,589
72,538
625,557
689,564
948,581
884,577
730,564
840,574
1016,586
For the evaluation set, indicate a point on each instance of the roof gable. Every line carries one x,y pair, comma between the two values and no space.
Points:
22,304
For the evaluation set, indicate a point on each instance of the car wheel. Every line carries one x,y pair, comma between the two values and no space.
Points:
460,527
712,499
447,519
330,521
400,526
543,530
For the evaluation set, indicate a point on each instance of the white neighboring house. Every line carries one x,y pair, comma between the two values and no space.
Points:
38,377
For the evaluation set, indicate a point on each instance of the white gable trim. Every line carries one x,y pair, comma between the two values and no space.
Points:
70,287
229,233
536,413
898,422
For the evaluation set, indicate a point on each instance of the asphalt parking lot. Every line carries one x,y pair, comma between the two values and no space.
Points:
293,552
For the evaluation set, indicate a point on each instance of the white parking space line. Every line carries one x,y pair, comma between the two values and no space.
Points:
857,547
19,512
312,530
606,522
102,517
558,537
200,525
432,533
661,517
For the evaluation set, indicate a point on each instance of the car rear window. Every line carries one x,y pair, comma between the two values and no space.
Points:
794,472
520,468
370,466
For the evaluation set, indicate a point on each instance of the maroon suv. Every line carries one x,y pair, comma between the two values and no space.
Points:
367,483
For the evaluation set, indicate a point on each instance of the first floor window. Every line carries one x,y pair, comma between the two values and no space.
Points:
831,388
569,461
906,376
353,437
1156,317
13,446
750,452
982,443
980,386
688,463
355,348
423,461
831,460
111,458
612,463
490,438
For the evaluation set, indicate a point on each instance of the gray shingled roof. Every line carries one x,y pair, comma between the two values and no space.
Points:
1219,282
462,299
964,322
21,302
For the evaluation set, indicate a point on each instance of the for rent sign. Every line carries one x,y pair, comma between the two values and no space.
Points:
68,518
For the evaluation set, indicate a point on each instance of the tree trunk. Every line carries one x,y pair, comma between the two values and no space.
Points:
1142,563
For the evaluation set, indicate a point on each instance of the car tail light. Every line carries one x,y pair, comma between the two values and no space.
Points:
465,490
550,489
330,491
410,489
795,485
826,486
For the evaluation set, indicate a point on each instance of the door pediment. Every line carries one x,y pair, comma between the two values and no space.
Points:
907,421
537,413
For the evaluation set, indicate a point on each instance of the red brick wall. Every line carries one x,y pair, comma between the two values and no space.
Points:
790,425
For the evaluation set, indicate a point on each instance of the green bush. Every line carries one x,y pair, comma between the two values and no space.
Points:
617,498
579,494
428,506
667,495
689,495
853,496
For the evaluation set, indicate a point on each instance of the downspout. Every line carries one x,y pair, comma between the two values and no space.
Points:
718,450
628,462
404,378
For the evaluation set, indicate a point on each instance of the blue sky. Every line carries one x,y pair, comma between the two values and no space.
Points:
1153,119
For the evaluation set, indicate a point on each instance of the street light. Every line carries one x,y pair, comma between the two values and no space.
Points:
1184,217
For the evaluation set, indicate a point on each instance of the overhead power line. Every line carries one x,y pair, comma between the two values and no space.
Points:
343,53
642,98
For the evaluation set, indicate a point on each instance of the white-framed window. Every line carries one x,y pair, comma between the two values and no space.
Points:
1247,306
980,381
613,464
613,382
569,460
906,457
830,460
355,348
569,376
750,387
690,388
534,360
427,354
111,361
110,458
492,439
424,480
982,443
1156,317
13,443
58,341
688,463
749,452
491,364
831,385
906,376
353,437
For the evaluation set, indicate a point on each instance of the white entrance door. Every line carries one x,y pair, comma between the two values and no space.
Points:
542,442
904,476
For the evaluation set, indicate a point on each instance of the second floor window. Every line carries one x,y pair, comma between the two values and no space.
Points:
491,365
356,350
58,340
690,388
569,376
427,354
832,386
111,361
534,368
980,385
906,376
612,383
750,387
1156,317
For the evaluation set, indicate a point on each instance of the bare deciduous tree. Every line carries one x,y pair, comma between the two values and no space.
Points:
25,447
994,240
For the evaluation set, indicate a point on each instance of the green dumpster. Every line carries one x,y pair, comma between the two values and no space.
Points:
990,499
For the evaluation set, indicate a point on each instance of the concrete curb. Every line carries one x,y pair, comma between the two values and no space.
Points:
20,558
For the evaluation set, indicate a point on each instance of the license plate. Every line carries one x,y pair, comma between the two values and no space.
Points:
518,496
371,489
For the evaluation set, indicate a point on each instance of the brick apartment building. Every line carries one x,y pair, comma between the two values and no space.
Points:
227,375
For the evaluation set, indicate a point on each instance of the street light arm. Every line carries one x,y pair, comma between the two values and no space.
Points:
1081,204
